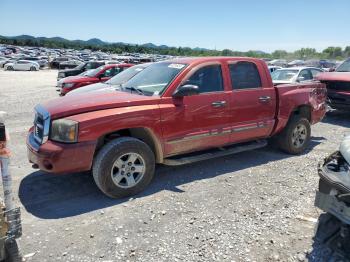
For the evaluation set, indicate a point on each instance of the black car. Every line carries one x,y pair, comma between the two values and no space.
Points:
55,63
69,64
79,69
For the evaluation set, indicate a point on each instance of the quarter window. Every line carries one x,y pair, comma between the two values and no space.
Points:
244,75
208,79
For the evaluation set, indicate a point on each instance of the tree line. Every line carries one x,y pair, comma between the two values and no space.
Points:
337,53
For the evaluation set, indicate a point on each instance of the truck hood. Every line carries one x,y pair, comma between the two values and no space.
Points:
90,88
93,101
73,70
78,79
334,76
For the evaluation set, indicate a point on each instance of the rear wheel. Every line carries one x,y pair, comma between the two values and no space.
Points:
9,68
295,137
12,251
123,167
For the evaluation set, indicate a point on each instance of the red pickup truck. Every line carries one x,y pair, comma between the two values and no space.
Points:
173,112
338,86
93,76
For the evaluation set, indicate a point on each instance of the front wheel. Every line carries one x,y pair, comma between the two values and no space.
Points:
9,68
32,68
123,167
296,136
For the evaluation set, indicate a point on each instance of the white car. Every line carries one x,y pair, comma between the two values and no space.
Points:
3,60
22,65
295,75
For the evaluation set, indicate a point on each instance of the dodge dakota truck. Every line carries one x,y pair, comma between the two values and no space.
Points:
338,86
172,112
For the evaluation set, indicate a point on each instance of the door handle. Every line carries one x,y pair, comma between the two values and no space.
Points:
264,99
218,104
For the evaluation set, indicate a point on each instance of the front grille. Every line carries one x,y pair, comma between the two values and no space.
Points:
39,128
41,124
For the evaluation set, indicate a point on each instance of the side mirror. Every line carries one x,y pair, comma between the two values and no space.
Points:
100,76
186,90
300,79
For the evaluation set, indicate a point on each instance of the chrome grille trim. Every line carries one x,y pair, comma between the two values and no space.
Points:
41,125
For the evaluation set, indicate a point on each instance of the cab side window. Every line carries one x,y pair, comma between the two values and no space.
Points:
305,75
208,79
244,75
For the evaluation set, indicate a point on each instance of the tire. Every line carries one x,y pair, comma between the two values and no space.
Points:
327,226
286,139
32,68
112,178
12,251
9,68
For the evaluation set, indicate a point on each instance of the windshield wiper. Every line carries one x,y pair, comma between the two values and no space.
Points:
135,89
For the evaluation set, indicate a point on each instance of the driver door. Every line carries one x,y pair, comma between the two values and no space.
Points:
200,121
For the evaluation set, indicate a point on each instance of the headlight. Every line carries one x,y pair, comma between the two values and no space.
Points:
64,130
68,85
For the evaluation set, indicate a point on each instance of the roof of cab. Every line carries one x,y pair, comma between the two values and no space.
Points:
195,60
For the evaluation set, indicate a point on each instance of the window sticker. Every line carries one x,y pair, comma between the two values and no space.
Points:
176,66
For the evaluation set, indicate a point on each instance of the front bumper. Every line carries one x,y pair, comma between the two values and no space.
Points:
54,157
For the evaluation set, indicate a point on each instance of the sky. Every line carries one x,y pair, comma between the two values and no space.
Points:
239,25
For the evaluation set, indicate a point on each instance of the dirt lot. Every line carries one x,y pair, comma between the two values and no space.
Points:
245,207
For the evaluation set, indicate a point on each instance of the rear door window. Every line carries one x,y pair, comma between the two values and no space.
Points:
244,75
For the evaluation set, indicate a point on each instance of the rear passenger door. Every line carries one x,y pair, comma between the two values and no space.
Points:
253,101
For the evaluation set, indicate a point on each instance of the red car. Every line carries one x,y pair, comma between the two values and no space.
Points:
168,110
100,74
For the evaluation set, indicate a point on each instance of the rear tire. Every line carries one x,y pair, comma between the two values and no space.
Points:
9,68
295,137
12,251
114,171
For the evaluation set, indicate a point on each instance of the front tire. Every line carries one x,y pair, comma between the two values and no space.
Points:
9,68
32,68
295,137
123,167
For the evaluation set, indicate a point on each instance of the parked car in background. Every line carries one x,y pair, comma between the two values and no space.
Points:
69,64
296,63
166,111
3,60
41,62
274,68
278,62
100,74
22,65
79,69
295,75
113,83
55,63
338,86
333,197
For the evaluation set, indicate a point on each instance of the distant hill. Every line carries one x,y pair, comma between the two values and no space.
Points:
120,47
92,41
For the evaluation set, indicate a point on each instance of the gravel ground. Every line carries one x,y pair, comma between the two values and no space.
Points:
253,206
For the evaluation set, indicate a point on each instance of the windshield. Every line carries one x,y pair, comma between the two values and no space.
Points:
284,75
154,79
344,67
125,75
93,72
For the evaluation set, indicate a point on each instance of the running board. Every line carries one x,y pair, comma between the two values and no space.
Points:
217,153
